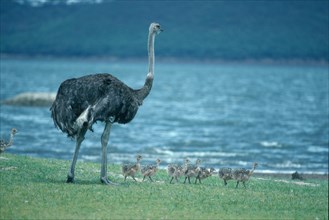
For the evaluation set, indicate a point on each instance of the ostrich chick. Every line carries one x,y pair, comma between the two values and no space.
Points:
131,169
150,170
4,144
175,171
204,173
225,173
192,170
243,175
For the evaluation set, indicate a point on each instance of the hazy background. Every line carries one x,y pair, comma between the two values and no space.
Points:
225,113
226,30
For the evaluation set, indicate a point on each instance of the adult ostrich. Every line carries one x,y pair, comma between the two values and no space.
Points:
80,102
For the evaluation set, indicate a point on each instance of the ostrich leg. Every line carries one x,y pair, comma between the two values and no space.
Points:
80,138
237,184
105,140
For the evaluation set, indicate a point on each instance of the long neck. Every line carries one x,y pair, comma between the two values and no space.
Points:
138,165
145,90
11,140
150,49
187,163
252,171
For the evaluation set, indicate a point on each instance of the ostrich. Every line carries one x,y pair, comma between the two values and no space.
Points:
175,171
243,175
225,173
192,170
204,173
131,169
150,170
4,144
80,102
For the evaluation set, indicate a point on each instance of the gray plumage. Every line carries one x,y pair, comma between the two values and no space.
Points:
80,102
204,173
150,170
192,171
131,169
98,97
4,144
225,173
243,175
175,170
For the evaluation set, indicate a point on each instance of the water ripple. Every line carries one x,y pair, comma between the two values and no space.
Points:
226,115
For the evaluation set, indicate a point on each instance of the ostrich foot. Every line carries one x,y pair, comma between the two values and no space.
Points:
70,179
106,181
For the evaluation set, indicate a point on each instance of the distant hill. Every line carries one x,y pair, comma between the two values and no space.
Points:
226,30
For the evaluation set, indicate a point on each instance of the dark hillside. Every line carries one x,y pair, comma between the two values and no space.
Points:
193,29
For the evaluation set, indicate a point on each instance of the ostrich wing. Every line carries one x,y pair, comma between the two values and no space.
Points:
104,95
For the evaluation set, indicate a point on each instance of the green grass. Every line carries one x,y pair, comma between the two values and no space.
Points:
33,188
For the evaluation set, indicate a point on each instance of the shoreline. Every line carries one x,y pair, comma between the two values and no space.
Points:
257,174
176,60
280,175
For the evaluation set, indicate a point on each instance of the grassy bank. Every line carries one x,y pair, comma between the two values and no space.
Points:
35,189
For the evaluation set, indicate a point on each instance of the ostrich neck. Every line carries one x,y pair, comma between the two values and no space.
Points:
145,90
252,171
11,140
150,48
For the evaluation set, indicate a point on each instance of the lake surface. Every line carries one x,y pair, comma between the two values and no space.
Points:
224,114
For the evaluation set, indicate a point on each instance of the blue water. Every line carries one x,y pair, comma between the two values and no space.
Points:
224,114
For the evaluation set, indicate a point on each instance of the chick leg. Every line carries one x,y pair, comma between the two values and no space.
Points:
237,183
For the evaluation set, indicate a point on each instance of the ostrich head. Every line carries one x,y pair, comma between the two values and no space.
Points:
187,161
155,28
255,165
197,162
138,157
13,131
